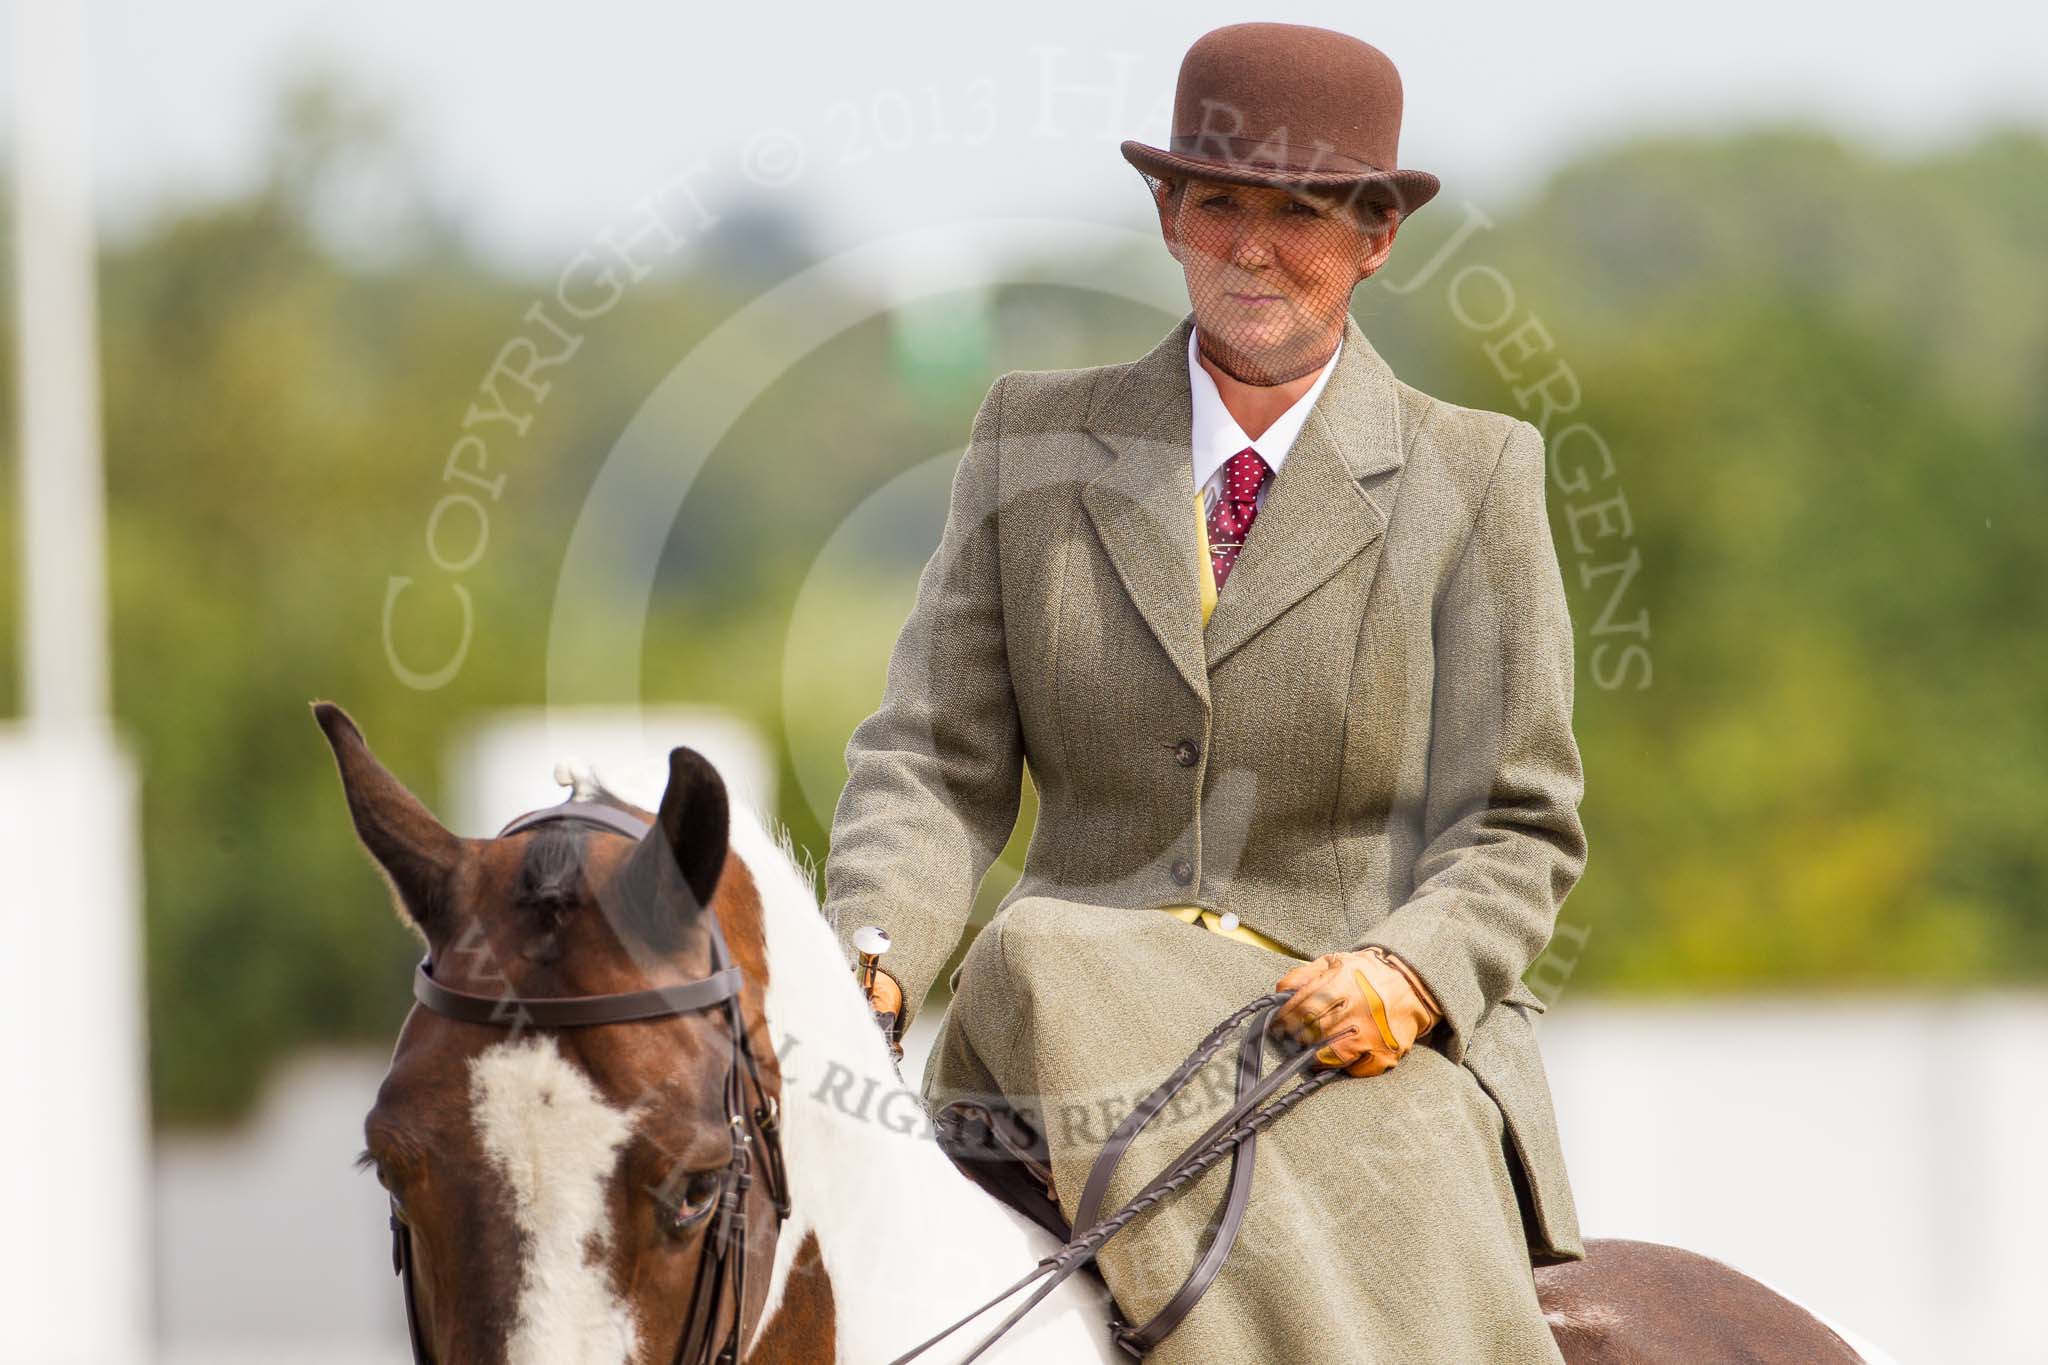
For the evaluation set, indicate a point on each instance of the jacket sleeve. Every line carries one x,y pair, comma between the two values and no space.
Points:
1502,841
934,776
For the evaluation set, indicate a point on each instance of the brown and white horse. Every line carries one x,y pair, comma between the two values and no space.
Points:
529,1166
533,1166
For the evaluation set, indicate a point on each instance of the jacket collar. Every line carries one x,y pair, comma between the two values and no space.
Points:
1325,505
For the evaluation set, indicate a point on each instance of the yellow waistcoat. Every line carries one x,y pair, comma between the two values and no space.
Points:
1225,924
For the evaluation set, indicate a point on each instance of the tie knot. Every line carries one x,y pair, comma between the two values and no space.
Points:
1243,474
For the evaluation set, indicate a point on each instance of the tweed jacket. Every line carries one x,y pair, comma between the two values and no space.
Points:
1370,742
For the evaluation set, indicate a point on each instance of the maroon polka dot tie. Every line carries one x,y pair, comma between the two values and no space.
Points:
1230,518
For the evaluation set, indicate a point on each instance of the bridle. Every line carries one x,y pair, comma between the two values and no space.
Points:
724,1258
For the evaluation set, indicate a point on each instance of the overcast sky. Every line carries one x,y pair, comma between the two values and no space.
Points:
543,124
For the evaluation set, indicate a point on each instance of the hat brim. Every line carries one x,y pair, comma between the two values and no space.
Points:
1405,190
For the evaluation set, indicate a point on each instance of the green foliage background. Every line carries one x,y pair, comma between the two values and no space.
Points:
1820,374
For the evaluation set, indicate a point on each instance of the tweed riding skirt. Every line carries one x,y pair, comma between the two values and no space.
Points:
1383,1224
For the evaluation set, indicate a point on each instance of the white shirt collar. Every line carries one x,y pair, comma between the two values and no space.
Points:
1216,434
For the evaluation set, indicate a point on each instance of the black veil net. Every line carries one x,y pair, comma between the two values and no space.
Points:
1270,269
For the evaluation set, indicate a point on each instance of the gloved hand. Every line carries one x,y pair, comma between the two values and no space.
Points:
1372,990
885,997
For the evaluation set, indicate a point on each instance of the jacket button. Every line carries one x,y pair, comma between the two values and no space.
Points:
1187,753
1183,871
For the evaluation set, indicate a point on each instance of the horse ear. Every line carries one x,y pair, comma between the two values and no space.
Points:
679,861
417,853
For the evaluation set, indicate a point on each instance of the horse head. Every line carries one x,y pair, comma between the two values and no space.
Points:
557,1184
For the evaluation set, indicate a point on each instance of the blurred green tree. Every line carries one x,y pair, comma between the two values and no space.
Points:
1819,371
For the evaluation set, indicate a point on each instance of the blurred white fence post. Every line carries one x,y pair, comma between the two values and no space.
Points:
74,1144
74,1173
504,762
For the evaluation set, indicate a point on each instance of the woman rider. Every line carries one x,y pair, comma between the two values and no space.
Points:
1284,644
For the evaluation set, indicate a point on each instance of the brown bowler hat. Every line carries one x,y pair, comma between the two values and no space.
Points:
1288,104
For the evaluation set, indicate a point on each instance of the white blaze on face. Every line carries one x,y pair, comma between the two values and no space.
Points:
555,1142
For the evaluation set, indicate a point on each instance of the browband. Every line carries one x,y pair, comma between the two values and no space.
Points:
580,1011
594,812
573,1011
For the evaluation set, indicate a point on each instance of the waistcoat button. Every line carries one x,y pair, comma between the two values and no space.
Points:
1187,753
1183,871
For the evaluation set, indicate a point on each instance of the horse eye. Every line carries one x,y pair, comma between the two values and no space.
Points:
682,1204
366,1161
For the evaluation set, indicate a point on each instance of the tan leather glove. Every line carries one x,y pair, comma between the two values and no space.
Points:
886,994
885,997
1374,992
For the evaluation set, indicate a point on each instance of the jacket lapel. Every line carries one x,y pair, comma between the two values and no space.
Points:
1142,503
1325,505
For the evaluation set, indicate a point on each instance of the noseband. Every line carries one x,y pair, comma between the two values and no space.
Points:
724,1258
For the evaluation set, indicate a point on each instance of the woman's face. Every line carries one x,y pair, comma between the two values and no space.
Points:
1270,272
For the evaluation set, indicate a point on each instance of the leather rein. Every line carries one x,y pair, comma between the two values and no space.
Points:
722,1264
1233,1134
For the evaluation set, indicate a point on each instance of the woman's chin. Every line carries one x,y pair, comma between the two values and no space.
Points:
1282,350
1251,333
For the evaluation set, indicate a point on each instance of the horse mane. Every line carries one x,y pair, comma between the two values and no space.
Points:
866,1176
552,868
